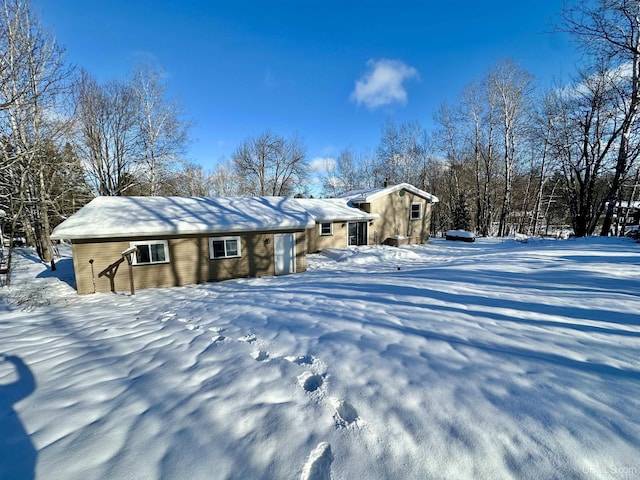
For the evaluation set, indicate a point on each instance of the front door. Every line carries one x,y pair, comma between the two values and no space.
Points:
358,233
284,246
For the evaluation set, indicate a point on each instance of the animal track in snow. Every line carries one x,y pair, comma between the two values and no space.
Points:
318,465
310,381
346,413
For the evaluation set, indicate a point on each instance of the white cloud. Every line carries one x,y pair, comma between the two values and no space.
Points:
322,164
383,83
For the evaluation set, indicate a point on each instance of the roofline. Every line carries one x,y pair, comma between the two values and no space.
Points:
402,186
355,218
181,233
366,198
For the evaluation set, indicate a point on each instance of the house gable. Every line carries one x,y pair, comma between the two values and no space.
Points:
404,213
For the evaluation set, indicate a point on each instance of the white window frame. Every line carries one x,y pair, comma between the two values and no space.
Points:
148,243
419,217
224,241
322,234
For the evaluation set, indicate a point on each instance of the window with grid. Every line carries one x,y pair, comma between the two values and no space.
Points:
416,211
224,247
150,252
326,228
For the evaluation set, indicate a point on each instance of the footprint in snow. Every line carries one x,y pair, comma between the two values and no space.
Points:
310,381
249,338
192,326
346,413
216,329
318,465
300,360
217,338
260,355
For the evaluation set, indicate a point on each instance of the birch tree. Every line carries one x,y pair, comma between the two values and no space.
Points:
32,76
161,131
511,87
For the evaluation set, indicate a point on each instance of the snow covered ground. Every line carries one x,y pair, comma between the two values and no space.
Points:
494,359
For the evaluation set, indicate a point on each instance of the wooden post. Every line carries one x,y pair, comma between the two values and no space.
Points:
128,254
133,288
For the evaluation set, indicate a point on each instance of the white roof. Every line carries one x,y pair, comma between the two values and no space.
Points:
334,210
110,217
370,194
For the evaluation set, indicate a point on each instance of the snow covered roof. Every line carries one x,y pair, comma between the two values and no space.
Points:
334,210
370,194
110,217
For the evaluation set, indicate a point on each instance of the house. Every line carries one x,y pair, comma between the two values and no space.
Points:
627,213
335,222
183,240
122,243
404,215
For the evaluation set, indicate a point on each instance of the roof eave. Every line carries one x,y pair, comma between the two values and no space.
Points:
180,233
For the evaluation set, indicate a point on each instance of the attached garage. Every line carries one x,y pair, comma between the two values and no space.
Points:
183,240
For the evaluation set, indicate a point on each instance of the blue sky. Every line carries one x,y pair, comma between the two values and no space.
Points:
331,72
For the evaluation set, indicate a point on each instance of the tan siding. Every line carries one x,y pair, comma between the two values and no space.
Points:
189,263
317,242
103,255
301,252
394,210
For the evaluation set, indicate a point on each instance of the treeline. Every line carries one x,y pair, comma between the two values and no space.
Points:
505,157
65,137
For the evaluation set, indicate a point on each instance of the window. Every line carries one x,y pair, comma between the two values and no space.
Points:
224,247
326,229
416,211
151,251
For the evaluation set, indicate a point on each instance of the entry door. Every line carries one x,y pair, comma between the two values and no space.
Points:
358,233
284,246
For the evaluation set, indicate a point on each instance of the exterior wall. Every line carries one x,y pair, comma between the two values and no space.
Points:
395,211
301,252
317,242
189,263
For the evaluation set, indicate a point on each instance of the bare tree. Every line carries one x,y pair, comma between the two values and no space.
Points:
223,181
342,174
32,78
401,153
477,113
585,126
511,87
450,137
162,133
107,134
271,165
609,30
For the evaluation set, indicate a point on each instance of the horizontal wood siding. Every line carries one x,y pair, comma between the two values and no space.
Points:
395,210
301,252
317,242
189,263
